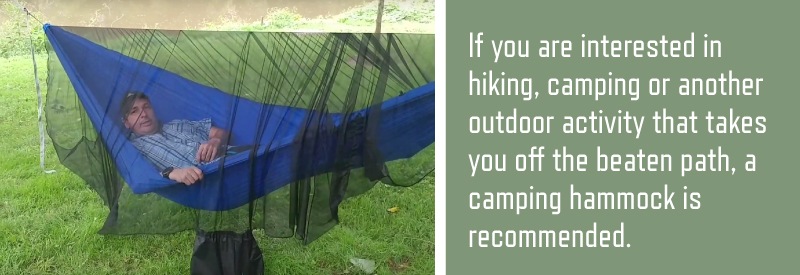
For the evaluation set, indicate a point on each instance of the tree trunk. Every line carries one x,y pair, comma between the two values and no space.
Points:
380,17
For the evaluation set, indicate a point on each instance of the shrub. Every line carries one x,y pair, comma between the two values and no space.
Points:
420,11
15,36
281,18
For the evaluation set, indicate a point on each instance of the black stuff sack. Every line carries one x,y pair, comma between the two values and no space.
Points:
225,252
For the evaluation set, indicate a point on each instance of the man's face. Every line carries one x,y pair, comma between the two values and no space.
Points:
141,119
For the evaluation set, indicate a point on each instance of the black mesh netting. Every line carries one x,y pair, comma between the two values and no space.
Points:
342,141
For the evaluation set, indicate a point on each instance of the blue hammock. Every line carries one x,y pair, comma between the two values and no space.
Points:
101,77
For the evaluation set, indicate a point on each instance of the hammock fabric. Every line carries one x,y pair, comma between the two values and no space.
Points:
324,117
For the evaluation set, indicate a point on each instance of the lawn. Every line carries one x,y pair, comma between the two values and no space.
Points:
50,221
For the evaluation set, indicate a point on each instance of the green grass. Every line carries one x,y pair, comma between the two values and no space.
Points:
50,221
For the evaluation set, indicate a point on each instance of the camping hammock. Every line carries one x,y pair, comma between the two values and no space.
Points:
324,115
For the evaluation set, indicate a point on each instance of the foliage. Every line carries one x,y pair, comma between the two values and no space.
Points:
399,16
274,19
283,18
15,36
420,11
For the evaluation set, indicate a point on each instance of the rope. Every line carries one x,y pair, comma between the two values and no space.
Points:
42,144
31,15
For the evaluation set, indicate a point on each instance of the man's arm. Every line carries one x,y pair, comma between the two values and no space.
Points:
217,140
186,175
162,156
218,135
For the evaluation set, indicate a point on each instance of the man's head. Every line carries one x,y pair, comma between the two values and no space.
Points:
138,115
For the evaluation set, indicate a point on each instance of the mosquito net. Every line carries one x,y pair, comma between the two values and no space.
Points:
308,120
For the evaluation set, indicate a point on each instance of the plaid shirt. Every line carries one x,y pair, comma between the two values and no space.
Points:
176,144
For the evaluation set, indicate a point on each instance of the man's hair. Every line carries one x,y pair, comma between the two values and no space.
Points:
127,103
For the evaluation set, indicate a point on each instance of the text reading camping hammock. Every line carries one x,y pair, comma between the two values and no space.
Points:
310,105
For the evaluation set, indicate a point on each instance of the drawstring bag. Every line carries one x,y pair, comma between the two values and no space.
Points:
226,252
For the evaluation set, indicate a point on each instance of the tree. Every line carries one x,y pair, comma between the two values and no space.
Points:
380,17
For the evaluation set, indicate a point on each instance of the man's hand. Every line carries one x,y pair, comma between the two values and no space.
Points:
209,150
187,175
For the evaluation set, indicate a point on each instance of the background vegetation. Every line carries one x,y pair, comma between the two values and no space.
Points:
399,16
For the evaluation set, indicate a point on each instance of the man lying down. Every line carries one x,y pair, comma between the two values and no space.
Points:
176,148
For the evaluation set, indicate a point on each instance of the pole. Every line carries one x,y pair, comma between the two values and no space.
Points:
42,145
